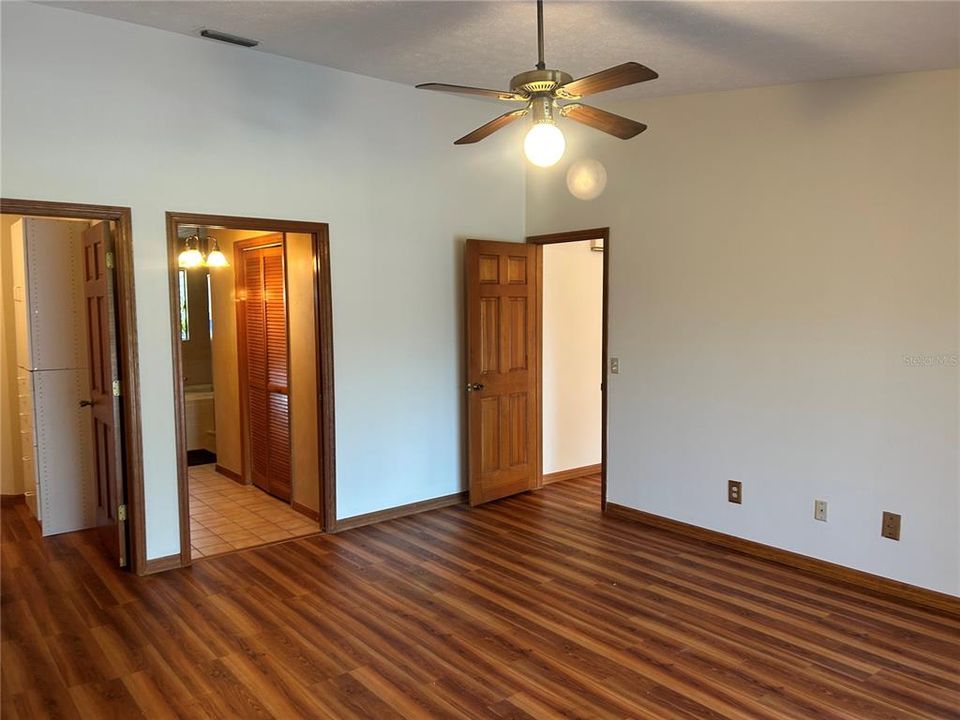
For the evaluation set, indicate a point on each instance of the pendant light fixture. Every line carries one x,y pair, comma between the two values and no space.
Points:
191,257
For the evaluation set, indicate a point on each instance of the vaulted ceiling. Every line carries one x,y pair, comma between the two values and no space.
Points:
695,46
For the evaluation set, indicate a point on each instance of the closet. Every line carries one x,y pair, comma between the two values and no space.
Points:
264,362
53,373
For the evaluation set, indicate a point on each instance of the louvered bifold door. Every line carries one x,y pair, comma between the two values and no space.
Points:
265,367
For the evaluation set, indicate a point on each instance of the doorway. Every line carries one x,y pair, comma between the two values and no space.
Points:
77,379
505,355
253,378
572,303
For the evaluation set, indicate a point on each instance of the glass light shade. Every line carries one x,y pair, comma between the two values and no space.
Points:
190,258
586,179
217,259
544,144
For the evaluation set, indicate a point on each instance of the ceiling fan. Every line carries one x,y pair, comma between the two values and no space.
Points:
541,91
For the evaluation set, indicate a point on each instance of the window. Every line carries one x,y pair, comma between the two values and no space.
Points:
184,308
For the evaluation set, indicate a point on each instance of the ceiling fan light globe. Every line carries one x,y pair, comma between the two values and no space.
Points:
544,144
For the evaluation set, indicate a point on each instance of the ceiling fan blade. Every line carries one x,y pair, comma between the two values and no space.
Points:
621,127
627,74
491,127
465,90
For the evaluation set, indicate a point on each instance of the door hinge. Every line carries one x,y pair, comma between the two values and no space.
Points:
116,388
122,512
110,262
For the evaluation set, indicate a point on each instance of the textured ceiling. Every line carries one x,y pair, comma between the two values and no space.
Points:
695,46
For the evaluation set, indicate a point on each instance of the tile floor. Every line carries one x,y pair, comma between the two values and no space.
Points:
226,516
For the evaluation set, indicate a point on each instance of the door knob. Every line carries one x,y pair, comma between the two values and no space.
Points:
474,387
86,403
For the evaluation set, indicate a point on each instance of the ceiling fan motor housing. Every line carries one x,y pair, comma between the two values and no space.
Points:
541,109
539,82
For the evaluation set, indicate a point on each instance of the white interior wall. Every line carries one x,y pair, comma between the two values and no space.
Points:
187,124
784,304
572,362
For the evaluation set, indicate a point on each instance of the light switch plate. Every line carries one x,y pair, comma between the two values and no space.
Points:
615,366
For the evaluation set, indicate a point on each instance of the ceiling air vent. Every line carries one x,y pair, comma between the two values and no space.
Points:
228,38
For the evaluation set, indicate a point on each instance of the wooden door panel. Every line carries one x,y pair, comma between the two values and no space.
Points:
254,350
259,435
489,335
264,362
514,418
514,350
275,318
502,440
102,342
489,269
489,422
279,409
516,270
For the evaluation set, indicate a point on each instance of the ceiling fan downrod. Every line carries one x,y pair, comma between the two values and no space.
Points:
540,63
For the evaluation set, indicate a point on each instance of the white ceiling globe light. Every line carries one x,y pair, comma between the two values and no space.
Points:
544,144
586,179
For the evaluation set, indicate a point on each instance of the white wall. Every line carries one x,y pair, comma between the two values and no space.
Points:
98,111
775,254
572,362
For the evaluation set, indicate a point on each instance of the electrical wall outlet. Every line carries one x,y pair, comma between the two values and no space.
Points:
735,491
820,510
615,366
891,526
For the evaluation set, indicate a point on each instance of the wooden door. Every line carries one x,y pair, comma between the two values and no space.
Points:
503,446
105,388
264,363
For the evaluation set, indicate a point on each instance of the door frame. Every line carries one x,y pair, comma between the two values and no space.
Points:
567,237
131,439
322,297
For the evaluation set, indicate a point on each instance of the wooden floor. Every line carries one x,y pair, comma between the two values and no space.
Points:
531,607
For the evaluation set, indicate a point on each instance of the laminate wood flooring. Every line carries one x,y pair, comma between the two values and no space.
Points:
535,606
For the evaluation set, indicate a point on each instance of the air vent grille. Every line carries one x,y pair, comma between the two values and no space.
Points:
228,38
